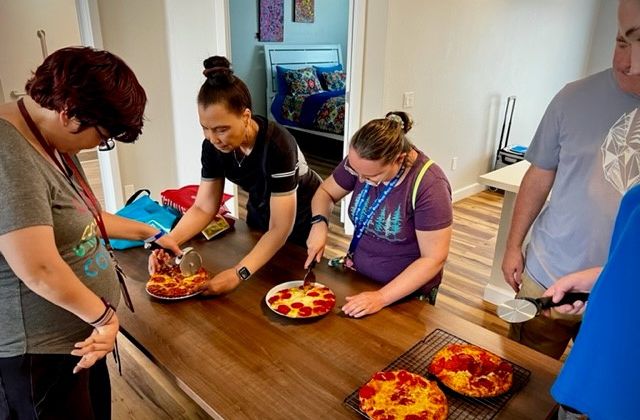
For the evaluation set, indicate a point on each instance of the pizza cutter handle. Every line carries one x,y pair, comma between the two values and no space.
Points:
568,298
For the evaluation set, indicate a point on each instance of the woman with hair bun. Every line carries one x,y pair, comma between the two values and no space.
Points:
258,155
401,211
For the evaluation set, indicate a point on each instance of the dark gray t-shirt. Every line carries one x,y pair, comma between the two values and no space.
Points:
34,193
587,137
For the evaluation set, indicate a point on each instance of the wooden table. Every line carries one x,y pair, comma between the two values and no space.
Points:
508,179
237,359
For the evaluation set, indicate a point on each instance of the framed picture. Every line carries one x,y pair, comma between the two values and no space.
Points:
271,20
303,11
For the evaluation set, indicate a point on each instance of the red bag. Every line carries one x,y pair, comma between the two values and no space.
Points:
183,198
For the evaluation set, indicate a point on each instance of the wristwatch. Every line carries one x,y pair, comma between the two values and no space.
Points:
244,273
319,218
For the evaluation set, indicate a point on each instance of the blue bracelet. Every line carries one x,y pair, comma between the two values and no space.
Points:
155,237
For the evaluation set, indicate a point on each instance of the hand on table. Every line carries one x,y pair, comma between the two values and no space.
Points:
223,282
512,268
97,345
365,303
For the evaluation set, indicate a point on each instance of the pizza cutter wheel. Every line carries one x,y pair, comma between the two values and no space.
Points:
524,309
189,262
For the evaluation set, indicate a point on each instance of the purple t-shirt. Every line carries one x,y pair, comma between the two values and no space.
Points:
389,244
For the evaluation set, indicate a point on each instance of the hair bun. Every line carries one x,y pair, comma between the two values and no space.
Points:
217,70
402,118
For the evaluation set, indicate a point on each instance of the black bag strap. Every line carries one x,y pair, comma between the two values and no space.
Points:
135,195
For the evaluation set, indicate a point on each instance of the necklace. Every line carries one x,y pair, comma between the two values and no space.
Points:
235,157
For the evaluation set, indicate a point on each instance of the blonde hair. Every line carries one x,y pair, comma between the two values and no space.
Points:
383,138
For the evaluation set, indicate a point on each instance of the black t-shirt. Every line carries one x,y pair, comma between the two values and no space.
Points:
275,166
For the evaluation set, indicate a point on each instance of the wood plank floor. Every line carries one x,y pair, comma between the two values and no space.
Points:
144,392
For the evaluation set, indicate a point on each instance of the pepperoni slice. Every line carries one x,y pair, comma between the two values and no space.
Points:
273,299
283,309
297,305
313,293
366,392
305,311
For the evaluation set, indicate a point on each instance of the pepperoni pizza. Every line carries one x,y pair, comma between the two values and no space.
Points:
298,302
472,371
170,283
402,394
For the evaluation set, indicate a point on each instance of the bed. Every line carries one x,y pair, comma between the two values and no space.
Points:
306,88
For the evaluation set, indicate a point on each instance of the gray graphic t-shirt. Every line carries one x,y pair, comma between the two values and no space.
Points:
34,193
590,136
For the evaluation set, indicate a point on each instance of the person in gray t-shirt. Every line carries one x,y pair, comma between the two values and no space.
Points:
585,152
58,285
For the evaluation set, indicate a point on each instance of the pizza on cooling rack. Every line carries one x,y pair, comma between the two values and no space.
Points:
471,370
170,283
298,302
402,394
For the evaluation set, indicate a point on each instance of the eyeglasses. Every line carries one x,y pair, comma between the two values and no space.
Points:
106,141
353,172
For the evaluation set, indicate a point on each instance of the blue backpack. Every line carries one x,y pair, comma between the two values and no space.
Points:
142,208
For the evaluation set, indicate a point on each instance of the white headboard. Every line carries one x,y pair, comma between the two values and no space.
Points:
296,56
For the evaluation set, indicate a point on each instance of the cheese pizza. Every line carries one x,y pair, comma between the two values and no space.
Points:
472,371
298,302
402,395
170,283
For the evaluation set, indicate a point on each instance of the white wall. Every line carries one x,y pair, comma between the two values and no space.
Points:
21,52
136,30
462,58
165,44
604,36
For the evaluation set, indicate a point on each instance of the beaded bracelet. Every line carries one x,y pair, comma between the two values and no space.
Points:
109,312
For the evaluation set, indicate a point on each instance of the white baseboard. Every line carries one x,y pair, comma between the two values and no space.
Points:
497,295
467,191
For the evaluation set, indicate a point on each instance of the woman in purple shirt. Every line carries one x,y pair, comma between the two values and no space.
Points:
401,210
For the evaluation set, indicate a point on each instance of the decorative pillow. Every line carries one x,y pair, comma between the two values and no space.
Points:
302,81
326,69
282,84
334,80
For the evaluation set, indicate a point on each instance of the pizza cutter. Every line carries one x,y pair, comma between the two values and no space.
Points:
189,262
524,309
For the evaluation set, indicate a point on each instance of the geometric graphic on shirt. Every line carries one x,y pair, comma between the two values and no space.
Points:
384,224
621,152
88,241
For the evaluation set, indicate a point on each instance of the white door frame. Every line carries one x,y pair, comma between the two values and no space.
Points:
355,75
91,35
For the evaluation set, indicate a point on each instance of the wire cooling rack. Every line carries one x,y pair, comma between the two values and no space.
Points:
417,359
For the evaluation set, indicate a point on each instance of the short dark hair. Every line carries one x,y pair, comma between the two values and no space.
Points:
383,138
222,86
96,87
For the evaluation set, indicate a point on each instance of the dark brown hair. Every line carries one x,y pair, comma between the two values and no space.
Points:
383,138
96,87
222,86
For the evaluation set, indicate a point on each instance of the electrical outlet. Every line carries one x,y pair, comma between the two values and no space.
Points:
454,163
408,99
129,189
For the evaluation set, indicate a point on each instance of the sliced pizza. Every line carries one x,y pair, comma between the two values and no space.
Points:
401,394
170,283
298,302
471,370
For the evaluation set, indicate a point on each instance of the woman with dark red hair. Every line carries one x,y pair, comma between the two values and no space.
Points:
58,282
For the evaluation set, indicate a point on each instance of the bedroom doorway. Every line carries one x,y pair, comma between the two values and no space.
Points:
322,150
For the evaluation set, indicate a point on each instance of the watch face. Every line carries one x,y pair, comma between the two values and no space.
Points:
244,273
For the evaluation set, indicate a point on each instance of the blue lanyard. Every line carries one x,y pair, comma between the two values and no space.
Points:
362,217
